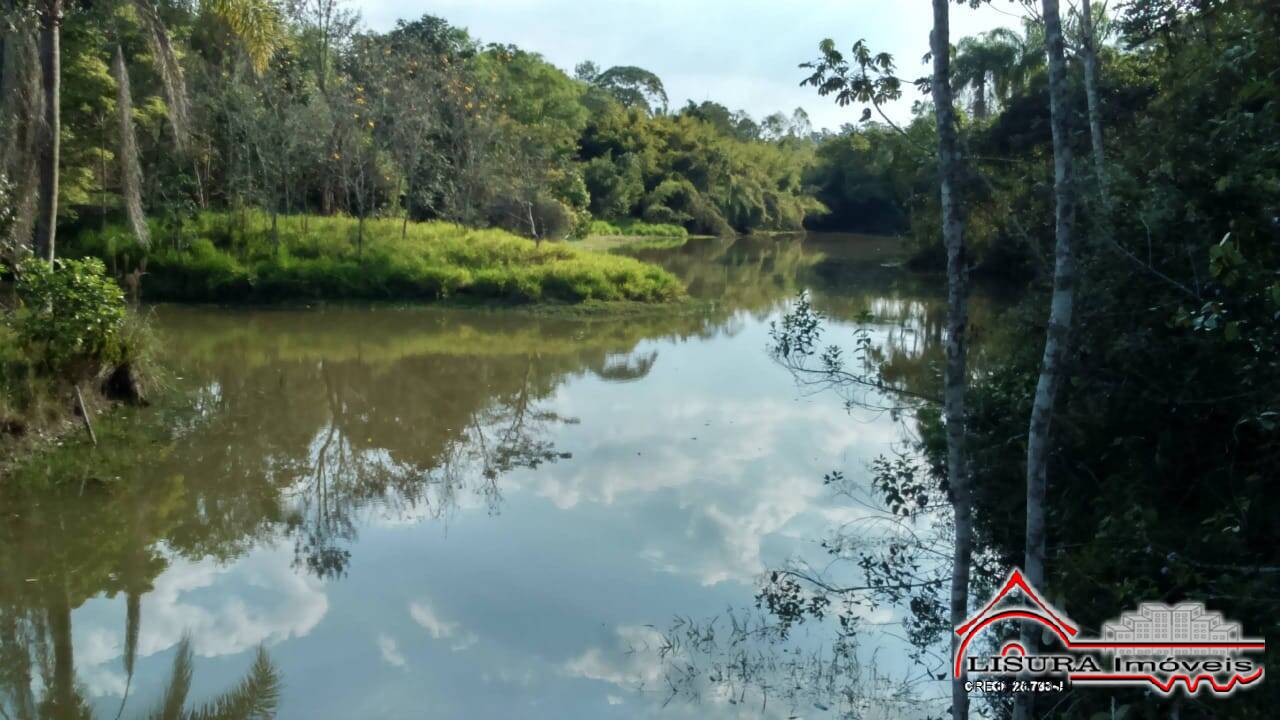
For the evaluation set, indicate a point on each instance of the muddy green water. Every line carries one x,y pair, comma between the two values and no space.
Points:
441,513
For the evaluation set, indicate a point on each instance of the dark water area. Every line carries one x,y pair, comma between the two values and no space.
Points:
428,512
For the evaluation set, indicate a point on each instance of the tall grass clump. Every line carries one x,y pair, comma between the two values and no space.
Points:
636,228
243,256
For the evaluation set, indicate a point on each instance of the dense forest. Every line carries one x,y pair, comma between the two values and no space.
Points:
1125,168
297,108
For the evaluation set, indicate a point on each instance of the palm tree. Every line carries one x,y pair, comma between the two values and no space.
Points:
257,697
988,62
1031,53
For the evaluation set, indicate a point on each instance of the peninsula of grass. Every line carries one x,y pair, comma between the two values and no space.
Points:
240,258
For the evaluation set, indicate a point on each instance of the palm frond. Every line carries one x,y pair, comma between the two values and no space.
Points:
133,623
256,697
175,694
130,168
258,24
172,81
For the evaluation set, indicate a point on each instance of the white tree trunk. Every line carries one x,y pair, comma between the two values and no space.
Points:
51,77
955,379
1090,55
1052,370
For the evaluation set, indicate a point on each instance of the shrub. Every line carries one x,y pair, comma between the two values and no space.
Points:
629,228
604,228
71,312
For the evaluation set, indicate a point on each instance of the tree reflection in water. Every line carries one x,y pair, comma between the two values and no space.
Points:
64,543
297,428
304,426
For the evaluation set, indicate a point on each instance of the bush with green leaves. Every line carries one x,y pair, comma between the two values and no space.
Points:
633,228
72,312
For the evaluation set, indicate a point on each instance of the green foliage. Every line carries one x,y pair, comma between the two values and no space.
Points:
871,178
72,312
236,259
615,186
6,214
693,170
1166,433
69,325
635,228
634,87
298,110
1167,429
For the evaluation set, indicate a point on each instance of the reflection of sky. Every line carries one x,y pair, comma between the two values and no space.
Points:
682,488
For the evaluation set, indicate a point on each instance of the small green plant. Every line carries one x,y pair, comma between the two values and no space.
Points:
72,312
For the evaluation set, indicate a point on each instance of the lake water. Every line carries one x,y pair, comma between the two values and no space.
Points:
443,513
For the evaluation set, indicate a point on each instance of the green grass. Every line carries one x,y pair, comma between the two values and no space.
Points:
234,257
635,228
624,245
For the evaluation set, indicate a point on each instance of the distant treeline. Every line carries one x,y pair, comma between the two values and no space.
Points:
170,108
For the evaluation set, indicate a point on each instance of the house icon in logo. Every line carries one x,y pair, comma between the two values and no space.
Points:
1156,646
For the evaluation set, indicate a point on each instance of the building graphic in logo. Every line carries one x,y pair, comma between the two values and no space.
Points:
1162,647
1165,623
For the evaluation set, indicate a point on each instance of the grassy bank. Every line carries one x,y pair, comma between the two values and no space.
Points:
623,245
635,228
238,257
68,347
628,236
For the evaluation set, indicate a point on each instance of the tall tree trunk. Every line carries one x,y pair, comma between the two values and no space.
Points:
1057,337
955,380
130,167
1090,53
22,121
51,76
404,226
16,656
980,98
64,672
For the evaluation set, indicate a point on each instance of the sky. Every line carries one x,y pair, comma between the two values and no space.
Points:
741,53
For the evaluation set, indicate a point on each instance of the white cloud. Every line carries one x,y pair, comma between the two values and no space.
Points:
423,614
286,605
742,53
631,661
390,651
755,473
225,624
